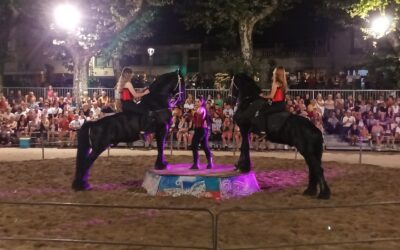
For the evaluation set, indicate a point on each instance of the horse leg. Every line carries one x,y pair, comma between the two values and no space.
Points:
161,163
311,189
244,164
313,156
80,182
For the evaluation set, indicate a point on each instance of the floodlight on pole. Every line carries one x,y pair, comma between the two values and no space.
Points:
381,25
150,51
67,17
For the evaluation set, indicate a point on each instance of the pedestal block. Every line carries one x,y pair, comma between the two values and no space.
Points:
221,182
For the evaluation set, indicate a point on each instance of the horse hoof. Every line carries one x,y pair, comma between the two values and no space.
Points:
161,166
324,196
243,169
80,186
310,192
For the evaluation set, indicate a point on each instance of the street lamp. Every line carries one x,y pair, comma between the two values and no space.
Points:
381,25
67,17
150,51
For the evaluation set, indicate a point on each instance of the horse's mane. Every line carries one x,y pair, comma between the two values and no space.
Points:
160,80
248,86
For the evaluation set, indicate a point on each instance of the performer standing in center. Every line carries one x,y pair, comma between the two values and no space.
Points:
200,134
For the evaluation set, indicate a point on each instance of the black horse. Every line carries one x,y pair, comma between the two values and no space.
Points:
96,136
282,127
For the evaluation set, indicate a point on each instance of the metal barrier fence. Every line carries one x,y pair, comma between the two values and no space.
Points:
106,206
365,94
215,218
313,244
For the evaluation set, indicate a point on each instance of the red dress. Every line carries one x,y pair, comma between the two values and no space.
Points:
278,97
126,95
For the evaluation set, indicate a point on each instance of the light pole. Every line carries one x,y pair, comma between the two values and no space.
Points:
150,51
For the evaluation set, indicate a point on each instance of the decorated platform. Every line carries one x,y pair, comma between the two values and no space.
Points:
221,182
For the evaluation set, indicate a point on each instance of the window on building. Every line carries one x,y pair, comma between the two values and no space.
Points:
193,53
102,63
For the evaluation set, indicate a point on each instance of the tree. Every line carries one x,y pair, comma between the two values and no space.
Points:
385,58
9,15
107,24
241,15
105,19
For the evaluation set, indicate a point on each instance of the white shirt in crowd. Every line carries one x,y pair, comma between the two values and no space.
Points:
54,111
228,112
188,106
74,124
348,120
96,112
216,125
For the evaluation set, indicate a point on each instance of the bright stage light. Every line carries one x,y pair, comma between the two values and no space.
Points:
380,25
67,17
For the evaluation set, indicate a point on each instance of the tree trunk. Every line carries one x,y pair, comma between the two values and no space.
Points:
395,42
1,76
81,75
116,66
246,40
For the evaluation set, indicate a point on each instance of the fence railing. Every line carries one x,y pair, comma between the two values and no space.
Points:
365,94
214,230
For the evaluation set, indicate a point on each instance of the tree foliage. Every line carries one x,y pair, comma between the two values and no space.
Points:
384,63
9,17
238,16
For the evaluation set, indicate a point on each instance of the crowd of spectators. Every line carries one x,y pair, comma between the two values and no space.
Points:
56,119
377,120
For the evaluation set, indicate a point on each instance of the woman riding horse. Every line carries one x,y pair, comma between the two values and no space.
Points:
277,95
283,128
96,136
128,93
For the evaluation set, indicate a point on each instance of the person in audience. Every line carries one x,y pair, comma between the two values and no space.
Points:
377,132
216,130
96,110
50,93
320,103
74,126
182,134
339,102
347,121
22,126
63,128
218,102
103,100
189,105
227,111
354,134
227,128
238,136
329,106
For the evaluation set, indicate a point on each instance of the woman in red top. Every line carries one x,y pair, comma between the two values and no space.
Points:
128,93
200,134
278,89
277,94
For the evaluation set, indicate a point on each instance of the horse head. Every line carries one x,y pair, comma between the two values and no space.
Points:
243,87
169,86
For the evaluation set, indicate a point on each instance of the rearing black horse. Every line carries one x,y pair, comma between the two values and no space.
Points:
282,127
96,136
